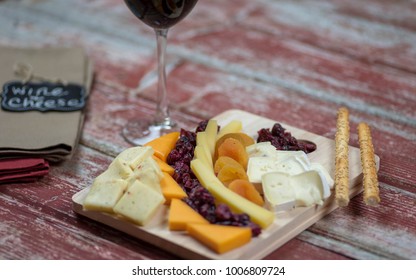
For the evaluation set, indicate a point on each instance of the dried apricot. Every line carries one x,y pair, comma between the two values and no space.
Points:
230,172
222,161
233,148
244,139
246,190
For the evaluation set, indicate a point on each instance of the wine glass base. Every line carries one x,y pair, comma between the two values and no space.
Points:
139,132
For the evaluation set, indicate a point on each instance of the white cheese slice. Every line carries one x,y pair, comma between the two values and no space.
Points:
292,165
278,191
118,169
309,188
135,155
139,203
266,149
319,167
148,172
153,165
104,195
287,178
258,166
300,155
283,191
262,149
326,187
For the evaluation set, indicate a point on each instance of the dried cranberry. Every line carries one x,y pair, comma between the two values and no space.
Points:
201,126
173,156
255,229
187,136
264,135
283,140
223,213
307,146
207,210
277,129
190,203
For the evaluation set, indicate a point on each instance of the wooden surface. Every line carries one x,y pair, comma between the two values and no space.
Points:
286,226
292,61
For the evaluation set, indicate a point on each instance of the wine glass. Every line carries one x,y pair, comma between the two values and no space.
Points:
160,15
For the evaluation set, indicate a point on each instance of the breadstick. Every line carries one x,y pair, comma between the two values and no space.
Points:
370,181
342,137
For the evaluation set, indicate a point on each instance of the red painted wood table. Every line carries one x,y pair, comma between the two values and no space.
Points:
296,62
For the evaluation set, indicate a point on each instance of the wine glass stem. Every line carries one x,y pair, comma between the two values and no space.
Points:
162,117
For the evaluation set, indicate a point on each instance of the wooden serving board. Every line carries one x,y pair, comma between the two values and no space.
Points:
285,227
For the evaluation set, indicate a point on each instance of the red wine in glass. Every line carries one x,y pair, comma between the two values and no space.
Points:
160,15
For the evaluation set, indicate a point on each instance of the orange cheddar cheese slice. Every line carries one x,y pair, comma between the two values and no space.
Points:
163,145
181,214
164,166
171,189
220,238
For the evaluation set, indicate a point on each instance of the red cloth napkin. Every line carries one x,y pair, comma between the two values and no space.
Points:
22,170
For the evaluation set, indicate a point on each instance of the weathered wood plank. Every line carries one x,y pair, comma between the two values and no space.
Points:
300,249
312,72
382,11
364,227
377,32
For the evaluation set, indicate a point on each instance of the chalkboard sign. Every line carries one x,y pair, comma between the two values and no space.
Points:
20,97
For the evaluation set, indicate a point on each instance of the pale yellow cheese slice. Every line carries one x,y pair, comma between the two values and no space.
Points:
139,203
149,173
118,169
103,195
135,155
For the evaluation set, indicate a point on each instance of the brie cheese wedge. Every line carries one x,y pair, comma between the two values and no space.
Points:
259,166
283,191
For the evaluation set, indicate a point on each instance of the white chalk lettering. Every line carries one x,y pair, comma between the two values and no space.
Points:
14,102
18,91
42,91
49,103
73,102
61,102
43,97
29,102
58,92
55,92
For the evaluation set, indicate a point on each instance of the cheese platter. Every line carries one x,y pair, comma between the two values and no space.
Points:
285,226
